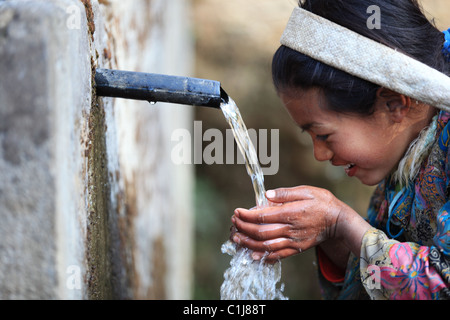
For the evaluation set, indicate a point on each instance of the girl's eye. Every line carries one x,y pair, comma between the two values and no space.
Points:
322,137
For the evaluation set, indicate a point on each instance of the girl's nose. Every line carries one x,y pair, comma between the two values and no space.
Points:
322,152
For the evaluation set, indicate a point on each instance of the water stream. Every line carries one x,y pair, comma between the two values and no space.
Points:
247,279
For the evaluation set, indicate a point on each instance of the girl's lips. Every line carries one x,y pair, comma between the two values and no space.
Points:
351,169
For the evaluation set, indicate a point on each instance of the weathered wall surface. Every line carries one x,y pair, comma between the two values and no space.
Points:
154,36
91,205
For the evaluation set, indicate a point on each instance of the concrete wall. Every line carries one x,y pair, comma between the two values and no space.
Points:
91,205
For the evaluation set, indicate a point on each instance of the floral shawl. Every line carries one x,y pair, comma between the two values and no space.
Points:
406,255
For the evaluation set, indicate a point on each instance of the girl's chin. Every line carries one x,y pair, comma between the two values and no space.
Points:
370,184
368,179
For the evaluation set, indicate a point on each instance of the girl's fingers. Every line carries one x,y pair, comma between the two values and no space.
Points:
266,215
272,245
273,257
261,231
281,195
270,252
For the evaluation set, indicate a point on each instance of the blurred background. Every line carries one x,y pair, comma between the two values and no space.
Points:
235,41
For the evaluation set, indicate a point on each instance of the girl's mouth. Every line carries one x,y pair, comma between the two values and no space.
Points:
350,169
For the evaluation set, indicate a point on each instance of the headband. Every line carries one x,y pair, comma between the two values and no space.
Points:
362,57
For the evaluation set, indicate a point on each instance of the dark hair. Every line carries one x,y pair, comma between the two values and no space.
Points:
403,27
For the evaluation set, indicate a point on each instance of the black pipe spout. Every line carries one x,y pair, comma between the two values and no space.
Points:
159,87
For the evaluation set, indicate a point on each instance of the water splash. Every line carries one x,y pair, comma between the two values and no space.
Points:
247,279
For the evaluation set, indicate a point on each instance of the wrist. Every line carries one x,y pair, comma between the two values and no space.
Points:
350,229
329,269
336,251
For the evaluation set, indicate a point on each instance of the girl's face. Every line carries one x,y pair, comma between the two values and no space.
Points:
366,147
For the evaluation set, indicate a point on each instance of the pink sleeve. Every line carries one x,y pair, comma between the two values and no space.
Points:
397,270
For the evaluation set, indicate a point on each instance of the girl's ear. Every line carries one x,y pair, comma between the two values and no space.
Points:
397,104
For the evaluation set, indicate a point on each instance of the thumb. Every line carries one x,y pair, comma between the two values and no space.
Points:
290,194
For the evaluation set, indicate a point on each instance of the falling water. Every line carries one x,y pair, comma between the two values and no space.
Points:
247,279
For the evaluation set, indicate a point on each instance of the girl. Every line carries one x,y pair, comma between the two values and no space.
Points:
379,136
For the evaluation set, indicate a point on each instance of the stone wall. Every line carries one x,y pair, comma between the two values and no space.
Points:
91,205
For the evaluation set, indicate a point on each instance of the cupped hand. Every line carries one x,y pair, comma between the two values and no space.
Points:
297,219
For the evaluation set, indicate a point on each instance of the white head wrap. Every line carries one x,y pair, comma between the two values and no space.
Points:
362,57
